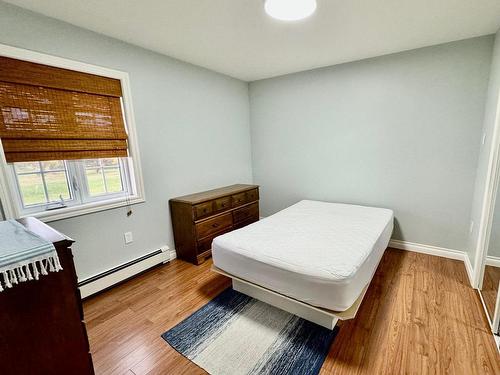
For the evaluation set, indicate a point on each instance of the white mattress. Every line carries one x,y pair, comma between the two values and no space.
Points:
320,253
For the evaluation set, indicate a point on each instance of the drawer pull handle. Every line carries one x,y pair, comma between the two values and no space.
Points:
215,225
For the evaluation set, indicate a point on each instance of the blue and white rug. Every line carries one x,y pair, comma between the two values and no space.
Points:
236,334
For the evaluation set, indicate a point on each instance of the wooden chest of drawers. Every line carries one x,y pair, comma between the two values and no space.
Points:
42,330
198,218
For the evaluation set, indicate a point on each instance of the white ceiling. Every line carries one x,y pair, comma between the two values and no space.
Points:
237,38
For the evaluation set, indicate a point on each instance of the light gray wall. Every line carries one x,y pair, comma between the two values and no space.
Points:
192,125
482,167
400,131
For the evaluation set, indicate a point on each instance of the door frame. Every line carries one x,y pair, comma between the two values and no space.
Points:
487,213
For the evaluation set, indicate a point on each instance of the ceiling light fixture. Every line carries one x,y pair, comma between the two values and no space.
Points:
290,10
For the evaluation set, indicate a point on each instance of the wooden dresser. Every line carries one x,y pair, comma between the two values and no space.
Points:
198,218
41,322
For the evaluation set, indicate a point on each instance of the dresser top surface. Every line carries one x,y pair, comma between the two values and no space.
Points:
213,194
44,231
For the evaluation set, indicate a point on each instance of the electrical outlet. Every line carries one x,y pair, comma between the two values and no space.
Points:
128,237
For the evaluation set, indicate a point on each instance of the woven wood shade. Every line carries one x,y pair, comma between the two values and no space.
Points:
53,114
19,71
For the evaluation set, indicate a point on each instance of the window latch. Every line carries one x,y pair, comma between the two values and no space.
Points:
56,205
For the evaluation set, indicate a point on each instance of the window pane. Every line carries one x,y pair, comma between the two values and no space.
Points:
53,165
113,180
92,163
112,162
57,185
27,167
95,180
31,186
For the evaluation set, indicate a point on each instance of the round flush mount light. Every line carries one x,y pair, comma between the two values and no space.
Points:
290,10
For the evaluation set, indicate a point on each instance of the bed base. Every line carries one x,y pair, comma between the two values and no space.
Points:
323,317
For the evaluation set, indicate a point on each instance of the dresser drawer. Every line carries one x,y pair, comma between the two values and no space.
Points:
246,222
252,195
203,210
239,199
222,204
247,212
206,244
212,226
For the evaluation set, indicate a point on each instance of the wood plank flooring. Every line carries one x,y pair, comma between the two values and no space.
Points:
419,316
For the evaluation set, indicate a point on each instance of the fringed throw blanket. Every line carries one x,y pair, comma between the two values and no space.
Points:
24,255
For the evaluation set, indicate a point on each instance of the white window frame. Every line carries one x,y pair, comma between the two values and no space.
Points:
9,195
27,210
127,182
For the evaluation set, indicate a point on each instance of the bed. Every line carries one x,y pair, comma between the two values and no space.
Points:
314,259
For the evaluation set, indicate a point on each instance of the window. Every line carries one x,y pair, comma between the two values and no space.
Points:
43,183
67,132
55,184
104,176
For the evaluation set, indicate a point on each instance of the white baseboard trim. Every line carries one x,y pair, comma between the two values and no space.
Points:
493,261
436,251
469,269
428,249
173,254
124,271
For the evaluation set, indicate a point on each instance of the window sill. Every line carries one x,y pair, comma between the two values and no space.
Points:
84,209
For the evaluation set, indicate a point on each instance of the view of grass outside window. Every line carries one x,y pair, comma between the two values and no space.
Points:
103,176
43,182
50,182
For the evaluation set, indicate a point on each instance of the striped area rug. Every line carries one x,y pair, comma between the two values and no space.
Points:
236,334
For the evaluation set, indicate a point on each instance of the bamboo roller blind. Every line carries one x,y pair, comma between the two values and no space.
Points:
58,114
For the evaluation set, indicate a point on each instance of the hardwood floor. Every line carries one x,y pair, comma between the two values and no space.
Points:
419,316
490,288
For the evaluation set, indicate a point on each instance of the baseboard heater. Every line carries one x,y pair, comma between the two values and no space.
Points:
123,272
